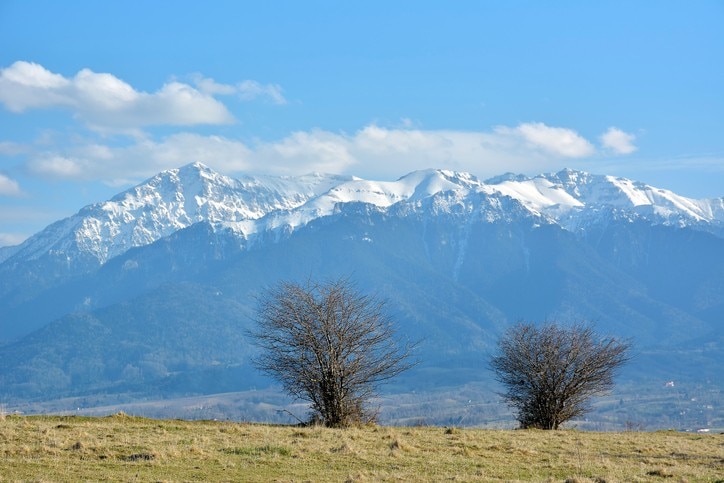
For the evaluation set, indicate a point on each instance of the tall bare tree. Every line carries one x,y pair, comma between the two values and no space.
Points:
330,345
550,372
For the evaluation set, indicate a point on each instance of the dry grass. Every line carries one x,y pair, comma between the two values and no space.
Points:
128,448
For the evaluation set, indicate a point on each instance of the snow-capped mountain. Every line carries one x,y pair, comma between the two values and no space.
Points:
178,198
150,293
570,197
170,201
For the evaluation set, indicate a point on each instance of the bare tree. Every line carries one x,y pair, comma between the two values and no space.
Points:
329,345
550,372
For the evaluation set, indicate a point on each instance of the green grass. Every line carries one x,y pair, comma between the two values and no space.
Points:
128,448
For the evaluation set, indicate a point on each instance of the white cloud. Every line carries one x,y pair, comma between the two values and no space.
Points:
300,152
102,92
379,151
9,148
119,165
26,85
211,87
618,141
11,239
372,152
8,186
249,90
555,140
106,102
53,165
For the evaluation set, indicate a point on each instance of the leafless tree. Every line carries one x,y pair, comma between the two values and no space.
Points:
330,345
550,372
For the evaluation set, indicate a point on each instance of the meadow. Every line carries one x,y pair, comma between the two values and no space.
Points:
122,447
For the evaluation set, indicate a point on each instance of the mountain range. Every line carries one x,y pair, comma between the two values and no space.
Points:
151,293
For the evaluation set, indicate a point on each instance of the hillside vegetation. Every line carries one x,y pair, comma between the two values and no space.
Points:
120,447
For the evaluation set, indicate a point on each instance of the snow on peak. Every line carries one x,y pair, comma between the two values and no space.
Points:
382,194
567,194
177,198
432,181
172,200
249,205
539,194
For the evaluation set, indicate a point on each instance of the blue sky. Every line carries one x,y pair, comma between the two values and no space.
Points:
97,96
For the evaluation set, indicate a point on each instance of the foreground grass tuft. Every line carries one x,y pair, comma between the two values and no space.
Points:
123,447
258,451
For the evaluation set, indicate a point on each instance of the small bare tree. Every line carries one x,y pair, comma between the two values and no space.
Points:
329,345
550,372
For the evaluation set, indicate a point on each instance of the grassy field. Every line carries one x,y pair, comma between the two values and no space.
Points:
120,447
